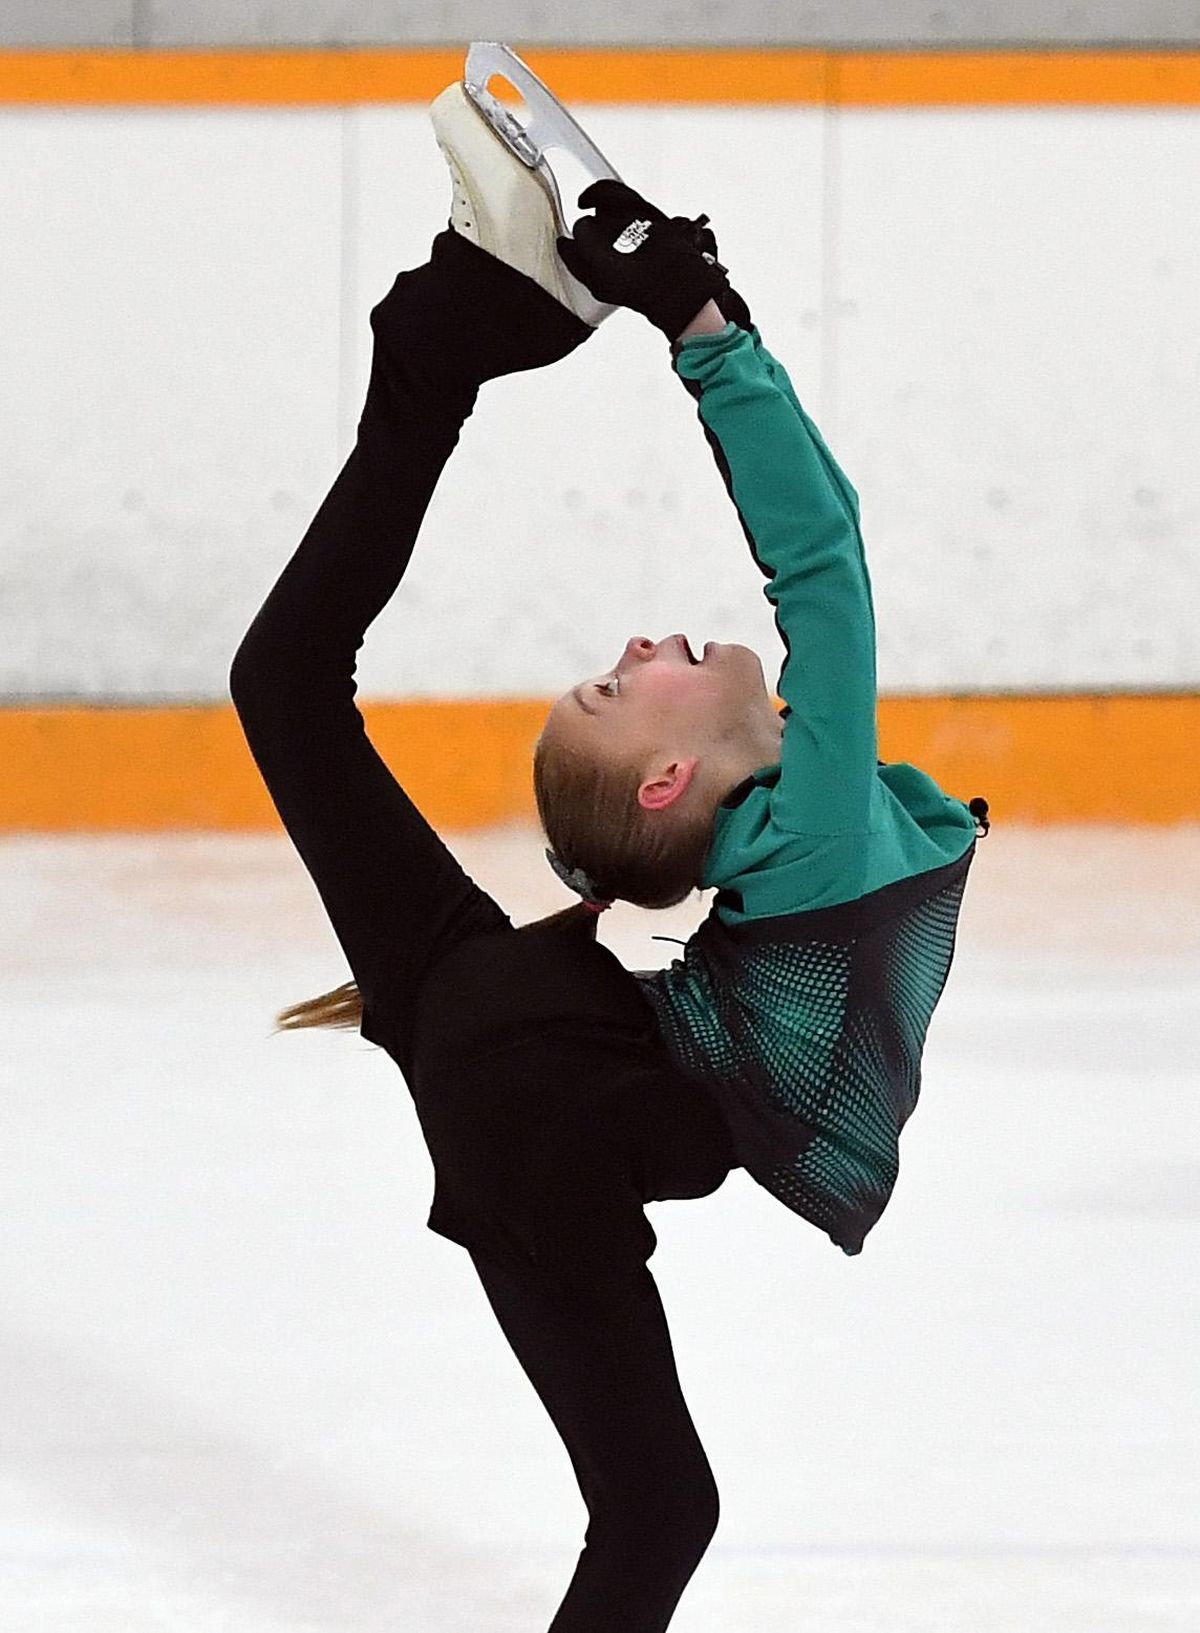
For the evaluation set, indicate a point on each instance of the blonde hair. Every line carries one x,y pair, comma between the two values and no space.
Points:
593,820
343,1007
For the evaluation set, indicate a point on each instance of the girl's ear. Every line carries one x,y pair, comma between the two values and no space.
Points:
663,789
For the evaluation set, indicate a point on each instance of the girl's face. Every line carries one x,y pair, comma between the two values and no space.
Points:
660,702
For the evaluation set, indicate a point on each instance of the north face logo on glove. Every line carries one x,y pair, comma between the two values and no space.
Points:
634,236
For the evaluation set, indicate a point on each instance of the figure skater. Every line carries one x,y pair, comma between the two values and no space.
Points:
556,1091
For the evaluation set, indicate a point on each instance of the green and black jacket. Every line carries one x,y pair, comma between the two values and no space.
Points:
804,999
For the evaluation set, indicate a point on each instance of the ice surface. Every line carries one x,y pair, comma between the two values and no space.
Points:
243,1389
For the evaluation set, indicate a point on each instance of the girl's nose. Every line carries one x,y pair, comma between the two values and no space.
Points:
640,647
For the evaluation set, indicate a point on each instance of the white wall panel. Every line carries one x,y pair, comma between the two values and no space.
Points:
169,287
1018,391
67,22
582,505
1005,358
700,22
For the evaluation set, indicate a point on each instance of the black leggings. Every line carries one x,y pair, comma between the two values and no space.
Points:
605,1372
599,1355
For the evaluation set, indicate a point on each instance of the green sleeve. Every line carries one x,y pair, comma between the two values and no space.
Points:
800,517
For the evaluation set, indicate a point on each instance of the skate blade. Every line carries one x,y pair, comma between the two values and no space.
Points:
547,129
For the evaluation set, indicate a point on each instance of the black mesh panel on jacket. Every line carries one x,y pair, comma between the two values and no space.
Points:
808,1030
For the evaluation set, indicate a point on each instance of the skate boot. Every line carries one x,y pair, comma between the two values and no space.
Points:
506,197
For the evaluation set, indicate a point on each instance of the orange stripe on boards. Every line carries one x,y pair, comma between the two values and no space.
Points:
323,78
889,79
706,77
1056,759
225,78
466,763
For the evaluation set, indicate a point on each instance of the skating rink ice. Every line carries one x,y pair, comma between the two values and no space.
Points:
243,1390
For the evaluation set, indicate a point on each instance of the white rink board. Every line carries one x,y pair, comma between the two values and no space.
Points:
246,1391
991,313
169,298
1018,392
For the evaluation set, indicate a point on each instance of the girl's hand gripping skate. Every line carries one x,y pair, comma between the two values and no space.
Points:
631,254
733,307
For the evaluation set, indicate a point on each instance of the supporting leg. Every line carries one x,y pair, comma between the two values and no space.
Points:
600,1358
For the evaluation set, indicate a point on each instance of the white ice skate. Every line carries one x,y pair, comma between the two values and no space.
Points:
507,196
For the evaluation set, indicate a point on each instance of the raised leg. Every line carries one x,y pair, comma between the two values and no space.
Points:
396,898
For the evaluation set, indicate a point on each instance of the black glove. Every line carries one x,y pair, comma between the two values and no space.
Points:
733,307
631,254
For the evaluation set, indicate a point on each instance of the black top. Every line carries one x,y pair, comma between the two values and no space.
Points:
548,1102
542,1083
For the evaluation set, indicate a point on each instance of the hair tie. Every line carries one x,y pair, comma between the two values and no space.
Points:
577,880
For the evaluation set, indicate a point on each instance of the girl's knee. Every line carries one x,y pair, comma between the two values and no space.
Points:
674,1522
703,1512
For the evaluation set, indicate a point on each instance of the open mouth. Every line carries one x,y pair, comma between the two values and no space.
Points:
687,650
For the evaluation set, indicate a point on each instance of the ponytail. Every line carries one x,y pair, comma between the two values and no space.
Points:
343,1007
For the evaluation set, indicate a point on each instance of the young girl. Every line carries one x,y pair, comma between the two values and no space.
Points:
551,1105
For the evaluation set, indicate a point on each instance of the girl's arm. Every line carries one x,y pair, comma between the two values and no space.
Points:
800,518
